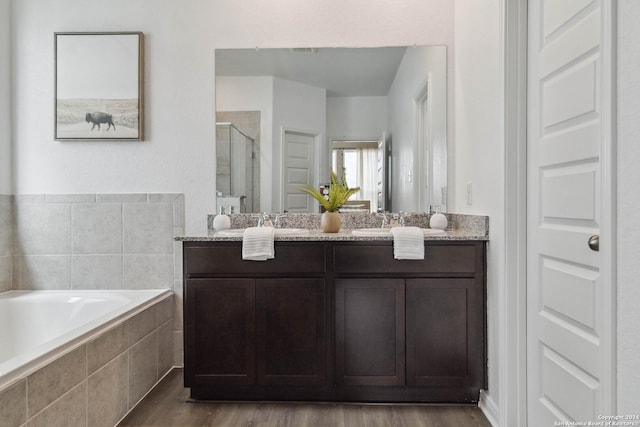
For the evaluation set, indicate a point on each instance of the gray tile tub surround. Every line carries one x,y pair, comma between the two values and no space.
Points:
6,242
97,383
96,241
476,224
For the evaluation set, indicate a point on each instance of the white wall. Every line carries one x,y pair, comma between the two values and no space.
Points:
180,38
479,148
5,99
252,94
6,170
354,117
298,107
628,177
418,64
177,153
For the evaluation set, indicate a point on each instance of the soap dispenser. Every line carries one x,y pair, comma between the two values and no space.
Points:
438,221
221,221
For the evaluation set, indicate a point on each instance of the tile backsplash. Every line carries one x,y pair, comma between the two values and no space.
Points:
93,241
6,242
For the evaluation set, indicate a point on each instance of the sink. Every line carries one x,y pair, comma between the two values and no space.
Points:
431,231
383,232
231,232
238,232
288,231
371,232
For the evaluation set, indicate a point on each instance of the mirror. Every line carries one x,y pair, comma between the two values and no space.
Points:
309,110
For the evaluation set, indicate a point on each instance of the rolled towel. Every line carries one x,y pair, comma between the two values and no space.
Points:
257,244
408,243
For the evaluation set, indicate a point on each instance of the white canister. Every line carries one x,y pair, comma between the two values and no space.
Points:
438,221
221,221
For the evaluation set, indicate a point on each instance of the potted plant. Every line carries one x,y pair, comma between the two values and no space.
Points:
339,193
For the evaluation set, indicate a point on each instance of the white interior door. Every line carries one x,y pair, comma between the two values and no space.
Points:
298,168
569,286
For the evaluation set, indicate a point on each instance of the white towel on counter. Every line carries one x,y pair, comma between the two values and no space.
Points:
408,243
257,243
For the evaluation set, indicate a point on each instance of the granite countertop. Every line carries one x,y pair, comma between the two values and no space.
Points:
460,227
315,235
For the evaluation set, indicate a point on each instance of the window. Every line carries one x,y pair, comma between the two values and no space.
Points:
357,161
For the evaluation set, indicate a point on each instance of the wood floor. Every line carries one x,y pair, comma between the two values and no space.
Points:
166,406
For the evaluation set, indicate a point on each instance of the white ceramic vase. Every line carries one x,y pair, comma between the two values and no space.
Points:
221,221
438,221
330,222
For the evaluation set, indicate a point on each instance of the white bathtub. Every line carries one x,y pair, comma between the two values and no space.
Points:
37,327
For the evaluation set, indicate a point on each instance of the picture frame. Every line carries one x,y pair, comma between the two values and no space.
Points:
99,86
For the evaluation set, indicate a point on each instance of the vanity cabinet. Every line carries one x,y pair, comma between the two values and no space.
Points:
220,328
290,332
335,321
445,345
417,324
255,331
248,326
370,332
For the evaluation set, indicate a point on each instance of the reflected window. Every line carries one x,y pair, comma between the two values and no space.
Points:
357,161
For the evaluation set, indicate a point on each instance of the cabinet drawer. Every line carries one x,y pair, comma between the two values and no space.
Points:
377,259
219,259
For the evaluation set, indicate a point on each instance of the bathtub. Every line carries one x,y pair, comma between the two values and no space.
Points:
37,327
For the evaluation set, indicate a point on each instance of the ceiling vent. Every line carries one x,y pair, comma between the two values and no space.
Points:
303,50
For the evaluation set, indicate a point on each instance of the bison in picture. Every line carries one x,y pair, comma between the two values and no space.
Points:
97,118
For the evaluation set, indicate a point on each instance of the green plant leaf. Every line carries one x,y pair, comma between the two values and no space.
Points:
339,193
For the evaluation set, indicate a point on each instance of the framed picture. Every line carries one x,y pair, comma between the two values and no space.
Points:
98,86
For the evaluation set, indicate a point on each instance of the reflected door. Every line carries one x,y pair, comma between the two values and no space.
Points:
299,168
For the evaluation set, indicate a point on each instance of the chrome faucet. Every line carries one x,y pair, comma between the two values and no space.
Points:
395,220
385,220
264,220
277,222
402,216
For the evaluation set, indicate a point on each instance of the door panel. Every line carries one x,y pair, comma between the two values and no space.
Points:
299,161
566,386
569,95
370,334
220,347
290,331
568,192
567,326
557,13
569,290
444,333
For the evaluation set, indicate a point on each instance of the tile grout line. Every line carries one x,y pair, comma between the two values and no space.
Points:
86,379
122,247
71,249
26,400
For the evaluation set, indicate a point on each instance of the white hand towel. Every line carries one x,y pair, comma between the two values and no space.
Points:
257,243
408,243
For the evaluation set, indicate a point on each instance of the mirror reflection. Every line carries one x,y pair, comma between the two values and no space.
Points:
375,115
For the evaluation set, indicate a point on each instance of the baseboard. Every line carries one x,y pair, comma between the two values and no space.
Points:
489,408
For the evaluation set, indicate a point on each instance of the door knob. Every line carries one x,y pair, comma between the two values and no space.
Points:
594,243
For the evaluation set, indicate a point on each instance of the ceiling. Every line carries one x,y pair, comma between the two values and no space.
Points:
341,71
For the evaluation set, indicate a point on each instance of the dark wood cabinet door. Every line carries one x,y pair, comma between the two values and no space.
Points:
291,341
444,333
220,332
370,332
